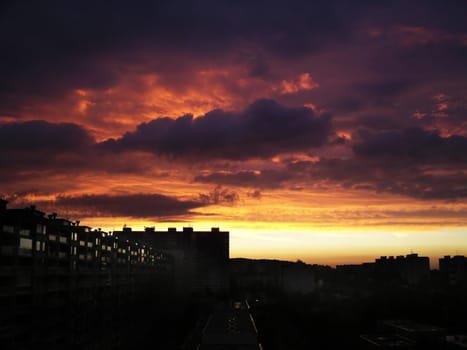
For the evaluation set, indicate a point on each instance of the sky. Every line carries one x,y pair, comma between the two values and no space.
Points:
327,131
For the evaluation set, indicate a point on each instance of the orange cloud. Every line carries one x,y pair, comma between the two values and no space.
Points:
304,82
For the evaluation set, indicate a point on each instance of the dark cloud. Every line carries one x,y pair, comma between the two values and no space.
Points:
384,89
382,122
50,48
256,194
50,157
39,135
376,93
257,179
387,175
42,146
259,67
410,162
369,73
262,130
376,65
415,144
132,205
219,195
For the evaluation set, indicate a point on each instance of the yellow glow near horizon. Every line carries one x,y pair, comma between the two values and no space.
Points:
329,246
327,226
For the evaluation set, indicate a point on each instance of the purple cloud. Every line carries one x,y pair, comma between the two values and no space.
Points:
262,130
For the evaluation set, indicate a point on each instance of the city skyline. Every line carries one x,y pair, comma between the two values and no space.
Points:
322,131
159,238
181,288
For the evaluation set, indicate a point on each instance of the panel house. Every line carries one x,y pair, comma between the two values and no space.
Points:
64,284
200,258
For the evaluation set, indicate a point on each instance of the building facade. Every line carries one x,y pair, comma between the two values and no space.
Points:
65,285
200,258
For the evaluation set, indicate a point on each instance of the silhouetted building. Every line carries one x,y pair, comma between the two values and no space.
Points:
412,269
201,258
454,269
356,273
260,275
63,284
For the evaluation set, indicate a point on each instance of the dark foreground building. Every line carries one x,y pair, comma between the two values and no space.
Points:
64,285
200,258
412,269
454,269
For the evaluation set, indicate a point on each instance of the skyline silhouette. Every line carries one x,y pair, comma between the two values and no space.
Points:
182,288
148,236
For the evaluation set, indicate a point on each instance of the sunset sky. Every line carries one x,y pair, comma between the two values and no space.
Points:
327,131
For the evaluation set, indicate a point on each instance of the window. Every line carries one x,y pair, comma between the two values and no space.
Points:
25,243
25,232
8,229
40,229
